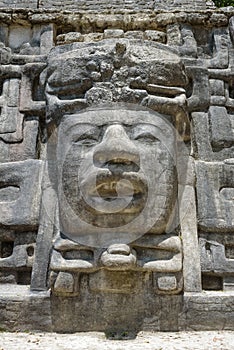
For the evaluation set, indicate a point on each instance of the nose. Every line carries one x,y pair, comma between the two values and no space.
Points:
116,151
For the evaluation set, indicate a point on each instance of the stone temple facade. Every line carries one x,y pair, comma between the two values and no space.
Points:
116,166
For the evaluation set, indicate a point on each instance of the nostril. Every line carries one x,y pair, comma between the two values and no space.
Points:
112,159
121,165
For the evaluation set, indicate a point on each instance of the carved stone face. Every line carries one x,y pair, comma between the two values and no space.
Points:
117,177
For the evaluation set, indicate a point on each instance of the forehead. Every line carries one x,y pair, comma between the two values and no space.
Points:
126,117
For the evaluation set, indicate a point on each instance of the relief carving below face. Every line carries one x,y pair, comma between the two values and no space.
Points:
116,174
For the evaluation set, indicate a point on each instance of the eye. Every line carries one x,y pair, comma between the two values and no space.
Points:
86,140
146,137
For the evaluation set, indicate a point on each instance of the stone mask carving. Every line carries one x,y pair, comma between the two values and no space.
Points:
116,161
108,190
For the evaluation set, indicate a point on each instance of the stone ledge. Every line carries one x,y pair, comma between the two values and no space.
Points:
103,4
22,310
91,21
209,310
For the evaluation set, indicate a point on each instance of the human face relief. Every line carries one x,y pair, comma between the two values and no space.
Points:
116,172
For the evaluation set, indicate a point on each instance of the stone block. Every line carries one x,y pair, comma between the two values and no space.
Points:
216,87
217,252
27,149
180,5
215,188
115,282
30,99
134,34
207,311
68,38
64,283
9,106
16,256
155,35
213,258
23,310
220,53
20,193
47,38
222,132
23,4
92,5
231,28
90,37
200,96
189,236
113,33
167,284
19,35
213,134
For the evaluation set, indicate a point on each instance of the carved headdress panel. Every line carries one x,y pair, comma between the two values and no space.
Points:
115,71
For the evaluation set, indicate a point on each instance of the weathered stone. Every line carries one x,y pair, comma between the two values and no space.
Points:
173,35
189,46
180,4
231,28
9,101
113,218
134,34
213,258
220,50
201,309
29,147
155,35
64,283
192,272
118,257
32,4
29,96
69,38
115,282
21,309
167,283
216,87
222,134
214,194
213,134
17,257
20,202
200,97
113,33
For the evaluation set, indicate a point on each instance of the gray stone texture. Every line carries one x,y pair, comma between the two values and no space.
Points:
92,5
117,166
22,4
207,311
215,196
19,201
21,309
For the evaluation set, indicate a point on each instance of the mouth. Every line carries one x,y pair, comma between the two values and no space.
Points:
111,190
129,190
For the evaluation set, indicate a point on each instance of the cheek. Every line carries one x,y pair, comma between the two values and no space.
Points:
158,165
76,157
154,158
77,165
69,167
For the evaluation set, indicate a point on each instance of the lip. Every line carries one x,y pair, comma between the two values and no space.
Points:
113,189
127,188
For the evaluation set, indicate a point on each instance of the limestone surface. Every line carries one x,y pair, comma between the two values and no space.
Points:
116,166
